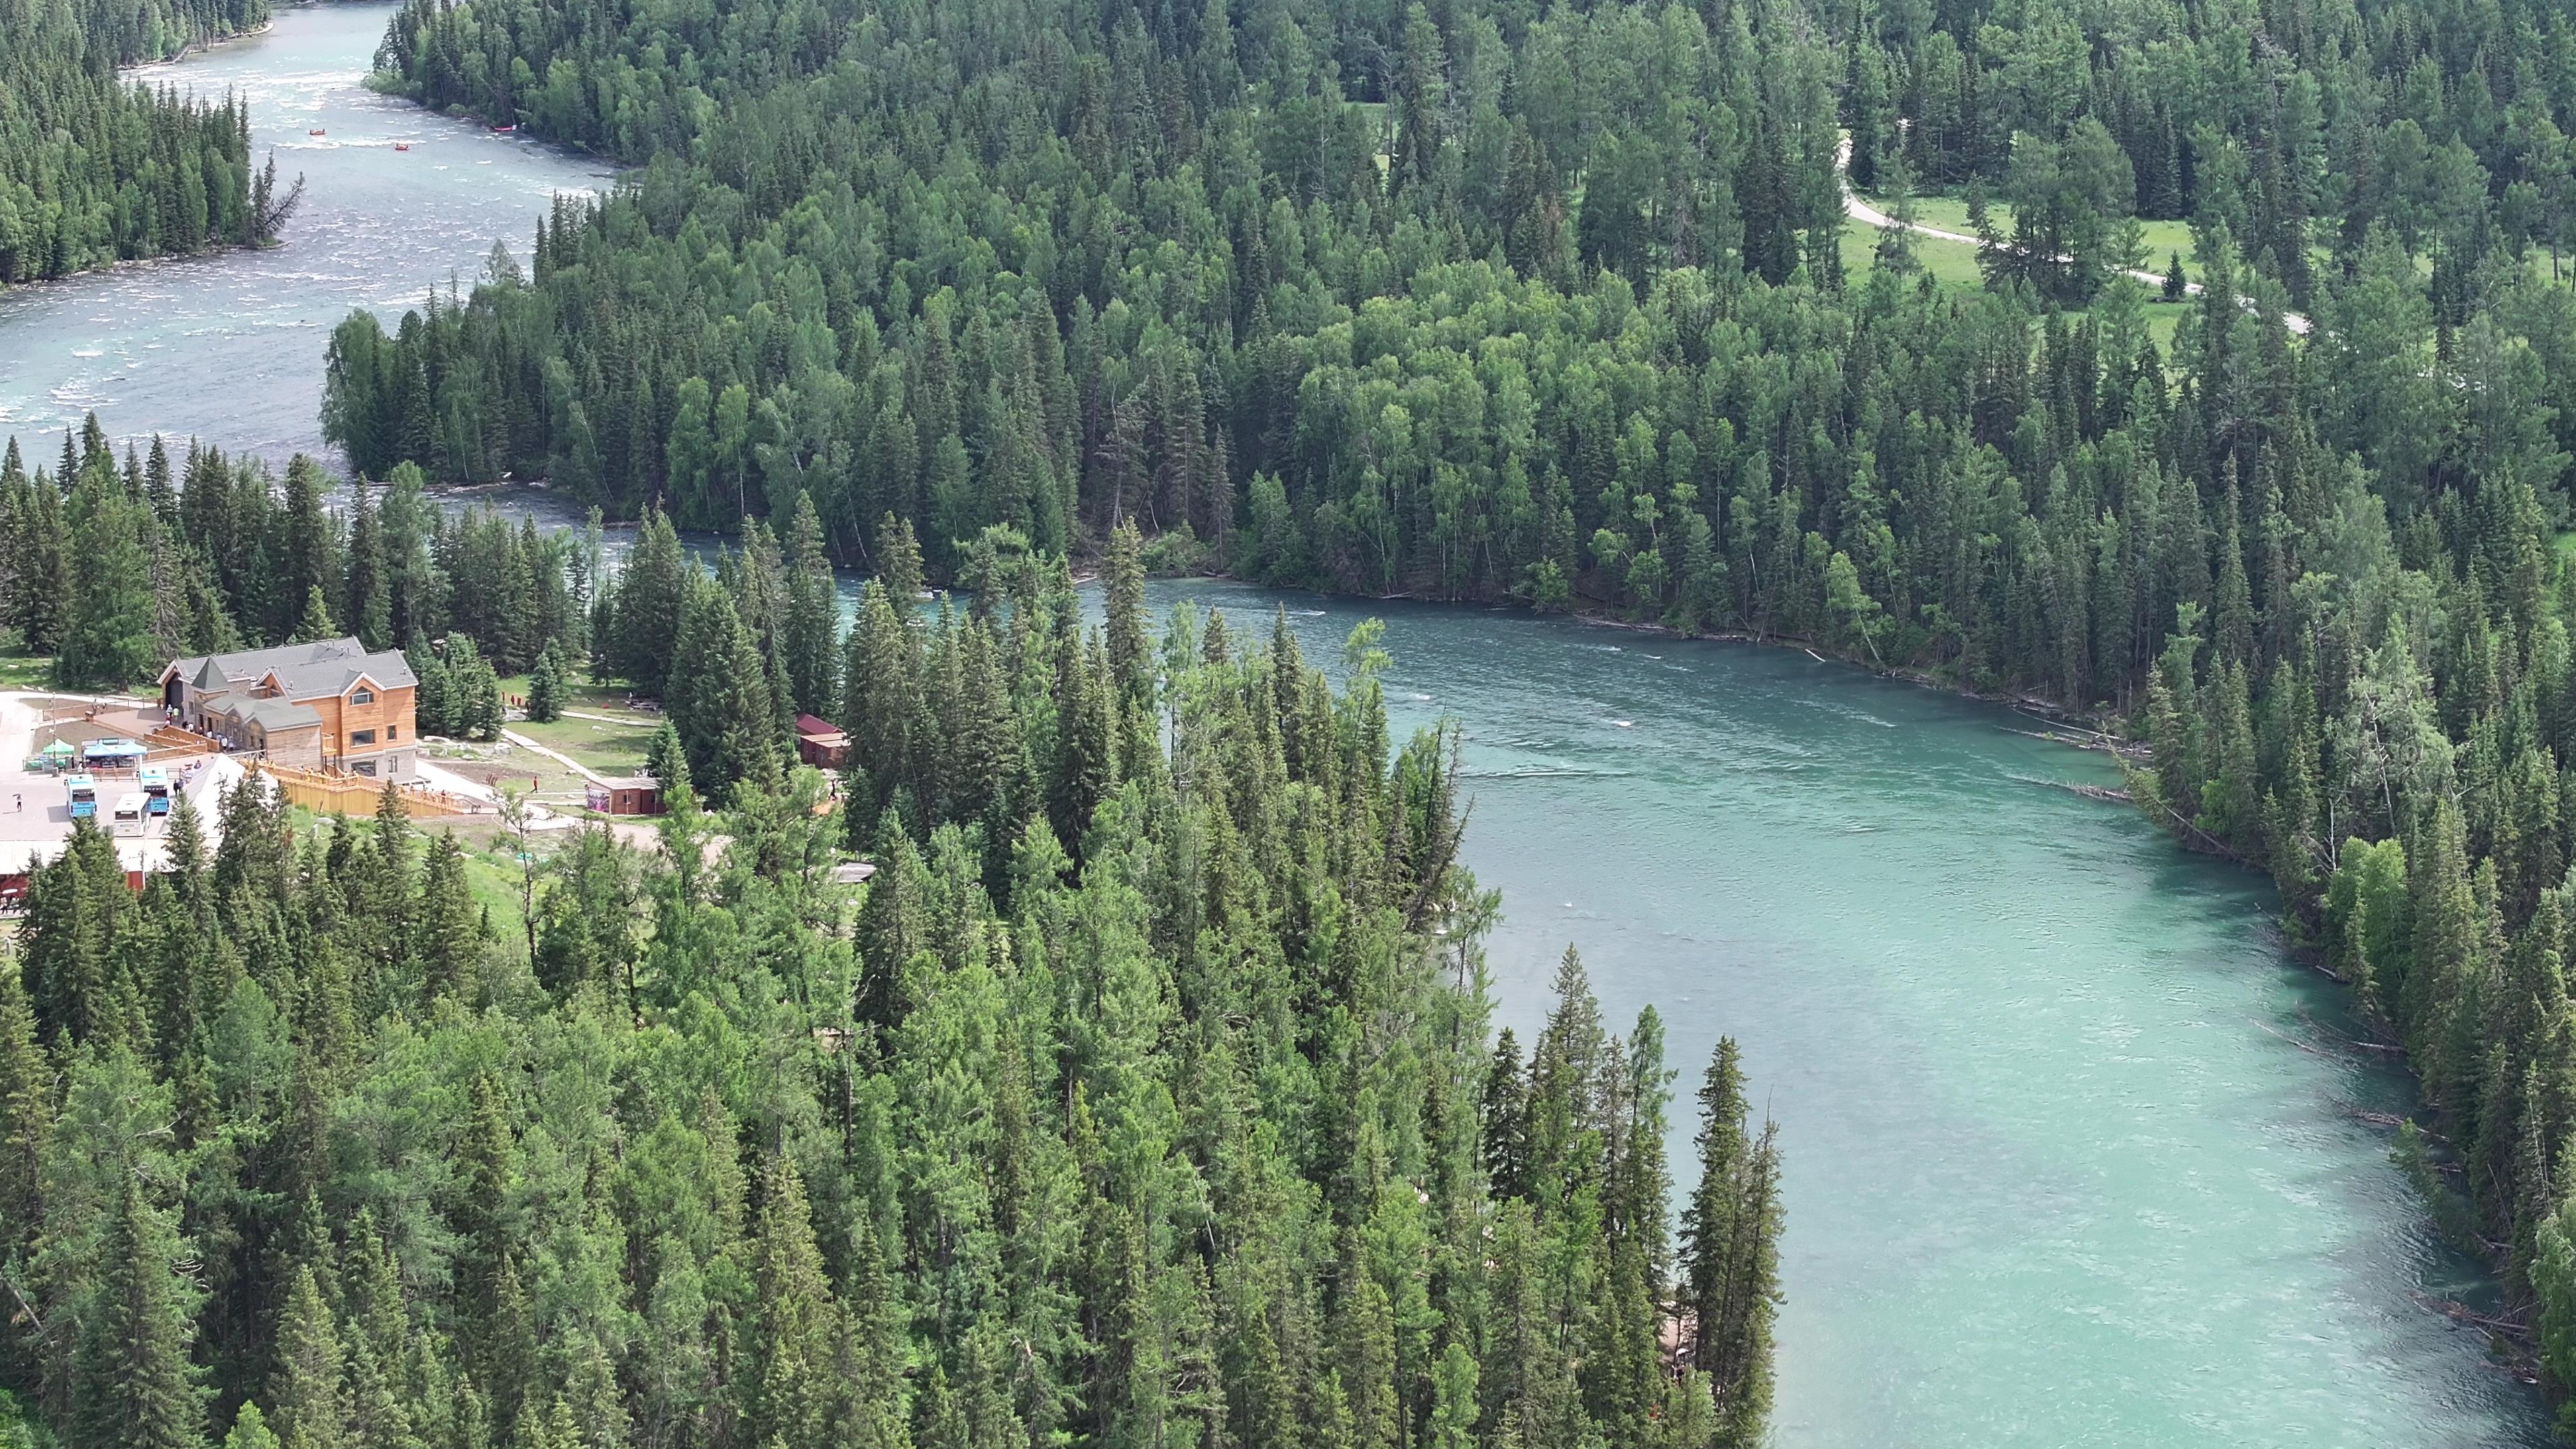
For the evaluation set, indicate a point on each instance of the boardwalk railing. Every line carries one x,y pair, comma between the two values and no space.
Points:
357,795
173,742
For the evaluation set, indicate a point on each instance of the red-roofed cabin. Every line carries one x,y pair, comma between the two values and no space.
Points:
821,743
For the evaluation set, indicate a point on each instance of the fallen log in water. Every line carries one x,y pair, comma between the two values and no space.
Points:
2510,1326
2089,792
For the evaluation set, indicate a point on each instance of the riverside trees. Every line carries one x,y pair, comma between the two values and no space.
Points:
93,170
1178,1124
115,567
1464,302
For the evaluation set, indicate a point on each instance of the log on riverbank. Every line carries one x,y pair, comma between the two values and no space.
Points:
2105,793
2508,1326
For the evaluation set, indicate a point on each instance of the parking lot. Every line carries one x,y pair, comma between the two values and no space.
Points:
35,805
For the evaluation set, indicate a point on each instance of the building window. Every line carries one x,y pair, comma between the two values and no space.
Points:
392,730
362,695
361,737
365,767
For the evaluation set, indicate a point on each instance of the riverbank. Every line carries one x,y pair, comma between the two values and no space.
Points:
203,46
2075,1131
137,343
2071,1159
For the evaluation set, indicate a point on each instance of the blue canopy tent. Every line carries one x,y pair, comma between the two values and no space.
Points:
113,752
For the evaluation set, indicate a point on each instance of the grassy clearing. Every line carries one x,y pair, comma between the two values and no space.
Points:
1952,264
2162,317
2164,240
1950,213
25,671
580,694
611,749
492,877
503,765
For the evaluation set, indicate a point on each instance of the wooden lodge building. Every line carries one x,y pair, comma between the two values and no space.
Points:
329,706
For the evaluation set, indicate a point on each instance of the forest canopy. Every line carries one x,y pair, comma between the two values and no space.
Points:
95,170
1560,304
1144,1096
1473,300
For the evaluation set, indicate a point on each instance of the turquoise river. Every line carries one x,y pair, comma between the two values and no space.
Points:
2075,1156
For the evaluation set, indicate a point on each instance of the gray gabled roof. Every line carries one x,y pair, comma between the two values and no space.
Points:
272,715
304,671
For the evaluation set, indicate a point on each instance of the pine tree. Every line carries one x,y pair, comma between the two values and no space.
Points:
367,602
796,1326
26,1109
813,623
107,627
890,926
898,561
1124,581
1083,772
1505,1114
546,687
1364,1330
878,699
305,1391
136,1384
447,941
719,698
1731,1254
250,1430
316,624
650,594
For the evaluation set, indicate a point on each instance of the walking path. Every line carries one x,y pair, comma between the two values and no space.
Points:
1861,211
558,756
631,721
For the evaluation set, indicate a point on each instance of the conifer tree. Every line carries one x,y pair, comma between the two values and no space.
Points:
1123,575
546,687
136,1384
878,698
1731,1254
650,595
250,1430
305,1390
315,625
796,1326
367,601
106,638
898,561
719,700
811,643
26,1109
447,941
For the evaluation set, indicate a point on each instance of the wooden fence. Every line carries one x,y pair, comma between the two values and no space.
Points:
170,742
357,795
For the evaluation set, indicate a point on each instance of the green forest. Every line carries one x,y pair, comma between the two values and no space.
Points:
1481,301
2244,429
1145,1097
95,170
1492,301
